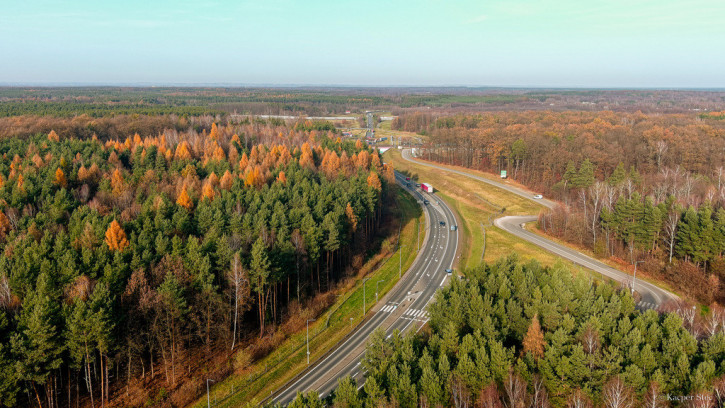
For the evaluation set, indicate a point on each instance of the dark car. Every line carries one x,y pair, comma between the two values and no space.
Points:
443,223
449,271
426,202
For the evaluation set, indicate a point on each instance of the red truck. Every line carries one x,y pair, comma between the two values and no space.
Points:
426,187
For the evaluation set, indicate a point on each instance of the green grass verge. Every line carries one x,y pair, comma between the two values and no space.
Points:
289,359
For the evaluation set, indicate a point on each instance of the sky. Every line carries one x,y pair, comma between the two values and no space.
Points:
508,43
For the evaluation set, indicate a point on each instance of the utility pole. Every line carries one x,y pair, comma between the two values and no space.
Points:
634,277
208,401
376,289
400,260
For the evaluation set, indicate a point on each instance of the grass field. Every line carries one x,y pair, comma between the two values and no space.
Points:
476,204
289,359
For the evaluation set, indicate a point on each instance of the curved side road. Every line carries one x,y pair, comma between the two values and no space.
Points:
651,296
403,308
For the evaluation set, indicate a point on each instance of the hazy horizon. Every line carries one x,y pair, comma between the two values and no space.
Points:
281,43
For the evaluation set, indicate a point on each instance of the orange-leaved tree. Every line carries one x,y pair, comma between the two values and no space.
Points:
225,183
184,200
207,191
534,340
116,237
282,178
60,178
374,181
117,181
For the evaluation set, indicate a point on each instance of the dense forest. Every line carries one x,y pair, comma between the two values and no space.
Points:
525,336
640,188
316,101
121,258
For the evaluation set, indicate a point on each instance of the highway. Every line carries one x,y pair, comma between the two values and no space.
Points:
403,308
650,296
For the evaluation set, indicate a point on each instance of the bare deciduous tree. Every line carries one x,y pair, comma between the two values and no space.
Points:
616,394
239,281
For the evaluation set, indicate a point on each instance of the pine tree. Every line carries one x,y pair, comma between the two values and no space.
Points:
346,395
37,341
617,176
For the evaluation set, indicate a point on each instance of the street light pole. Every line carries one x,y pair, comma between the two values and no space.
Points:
308,340
400,260
376,289
364,308
208,401
634,277
417,237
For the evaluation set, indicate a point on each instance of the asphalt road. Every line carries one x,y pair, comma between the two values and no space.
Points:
650,296
403,308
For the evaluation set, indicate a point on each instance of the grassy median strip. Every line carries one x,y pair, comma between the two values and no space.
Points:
288,360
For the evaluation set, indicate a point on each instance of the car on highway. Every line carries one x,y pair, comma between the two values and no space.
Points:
417,184
454,227
443,223
538,196
449,271
426,202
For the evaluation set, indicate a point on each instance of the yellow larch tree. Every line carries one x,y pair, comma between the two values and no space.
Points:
225,183
184,200
214,133
374,181
350,213
282,178
116,237
207,191
182,151
60,178
117,181
534,340
244,161
82,174
53,137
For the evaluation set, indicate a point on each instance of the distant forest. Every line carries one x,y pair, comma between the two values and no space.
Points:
635,187
97,102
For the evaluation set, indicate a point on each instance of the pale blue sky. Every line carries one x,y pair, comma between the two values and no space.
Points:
572,43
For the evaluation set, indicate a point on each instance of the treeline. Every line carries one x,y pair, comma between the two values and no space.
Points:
119,126
537,147
639,188
521,335
96,110
139,258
